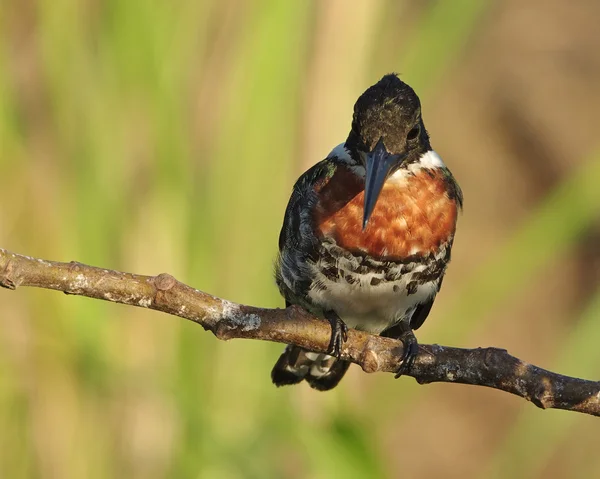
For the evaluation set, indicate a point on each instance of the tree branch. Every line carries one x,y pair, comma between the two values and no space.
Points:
491,367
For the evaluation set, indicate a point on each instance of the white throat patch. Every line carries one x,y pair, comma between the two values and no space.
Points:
431,160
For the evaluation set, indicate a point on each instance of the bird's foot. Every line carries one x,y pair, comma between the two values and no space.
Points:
339,334
411,349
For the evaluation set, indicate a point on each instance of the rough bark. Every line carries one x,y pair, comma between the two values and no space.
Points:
491,367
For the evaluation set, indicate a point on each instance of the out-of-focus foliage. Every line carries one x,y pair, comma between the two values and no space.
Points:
155,136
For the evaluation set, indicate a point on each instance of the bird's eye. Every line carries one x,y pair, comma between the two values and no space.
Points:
414,133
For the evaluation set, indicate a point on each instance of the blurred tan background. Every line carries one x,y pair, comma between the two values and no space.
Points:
154,136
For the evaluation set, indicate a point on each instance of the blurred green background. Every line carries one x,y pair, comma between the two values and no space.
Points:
154,136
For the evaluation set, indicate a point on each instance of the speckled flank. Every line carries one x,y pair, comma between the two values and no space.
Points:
413,216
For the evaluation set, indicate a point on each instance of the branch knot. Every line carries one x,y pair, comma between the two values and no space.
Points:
164,282
6,277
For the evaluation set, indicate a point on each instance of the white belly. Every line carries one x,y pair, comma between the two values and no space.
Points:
368,307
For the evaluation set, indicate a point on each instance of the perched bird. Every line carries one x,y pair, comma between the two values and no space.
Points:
367,234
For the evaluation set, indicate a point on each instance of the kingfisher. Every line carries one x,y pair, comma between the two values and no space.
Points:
367,234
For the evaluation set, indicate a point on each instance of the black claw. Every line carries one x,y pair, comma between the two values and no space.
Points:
411,349
339,334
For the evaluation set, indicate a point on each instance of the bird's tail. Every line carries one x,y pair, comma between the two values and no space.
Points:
321,371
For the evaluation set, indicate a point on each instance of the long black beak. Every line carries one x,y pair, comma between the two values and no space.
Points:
379,165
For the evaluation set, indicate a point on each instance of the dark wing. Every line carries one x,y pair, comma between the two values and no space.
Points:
421,313
417,320
299,210
298,244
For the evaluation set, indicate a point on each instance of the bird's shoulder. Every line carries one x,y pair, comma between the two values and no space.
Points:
453,189
305,196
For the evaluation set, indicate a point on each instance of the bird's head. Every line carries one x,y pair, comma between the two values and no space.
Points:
387,134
